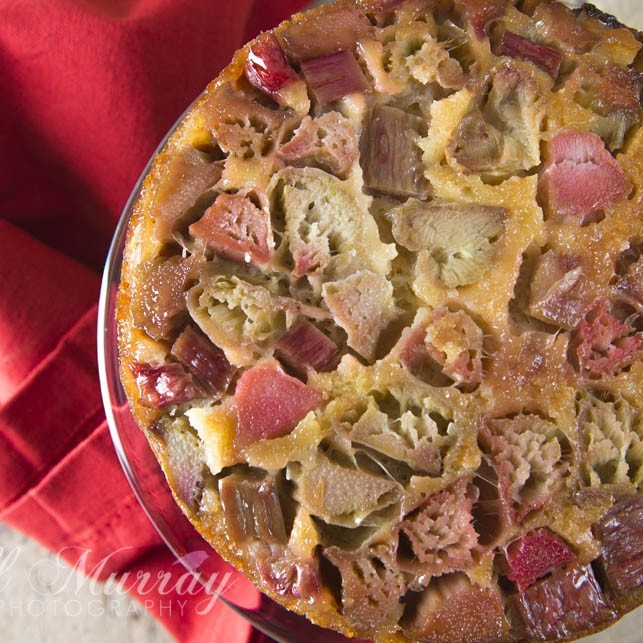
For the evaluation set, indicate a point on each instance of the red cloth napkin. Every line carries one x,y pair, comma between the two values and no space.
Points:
87,90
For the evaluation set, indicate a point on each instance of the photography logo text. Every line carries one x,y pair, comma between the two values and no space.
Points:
52,587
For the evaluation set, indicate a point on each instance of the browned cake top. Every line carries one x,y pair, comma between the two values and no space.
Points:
380,318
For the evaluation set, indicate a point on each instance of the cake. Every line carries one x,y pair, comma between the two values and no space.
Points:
380,318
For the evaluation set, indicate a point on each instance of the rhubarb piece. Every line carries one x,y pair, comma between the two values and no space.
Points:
515,46
481,13
416,441
450,343
363,306
328,142
610,431
184,460
569,602
158,294
341,495
558,290
579,178
305,347
241,318
251,509
255,520
501,134
324,33
206,362
334,76
266,67
244,127
610,90
190,176
454,610
561,26
527,454
604,344
165,384
535,555
391,160
270,403
620,533
372,585
476,145
456,240
286,574
454,341
441,532
329,229
613,94
237,229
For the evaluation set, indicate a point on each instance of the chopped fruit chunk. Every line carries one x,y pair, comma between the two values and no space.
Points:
441,531
266,67
611,90
414,440
569,601
158,293
454,341
501,134
580,178
456,240
244,127
604,343
390,159
252,509
558,291
205,361
516,46
562,26
476,145
328,142
286,574
236,228
363,306
372,585
620,533
534,555
341,29
165,384
481,13
334,76
184,459
455,610
449,342
305,347
270,403
527,454
191,175
341,495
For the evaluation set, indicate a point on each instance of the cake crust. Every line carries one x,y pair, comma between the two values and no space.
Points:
430,220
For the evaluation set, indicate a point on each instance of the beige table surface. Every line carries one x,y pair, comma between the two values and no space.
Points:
41,603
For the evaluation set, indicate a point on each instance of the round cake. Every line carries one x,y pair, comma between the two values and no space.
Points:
380,318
